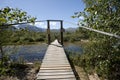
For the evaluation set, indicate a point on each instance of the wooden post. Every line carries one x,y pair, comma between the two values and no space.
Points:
48,31
61,31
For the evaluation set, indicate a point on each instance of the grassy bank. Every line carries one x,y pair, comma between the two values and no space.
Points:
21,72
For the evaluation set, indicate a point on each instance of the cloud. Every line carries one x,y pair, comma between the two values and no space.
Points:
81,18
41,24
53,23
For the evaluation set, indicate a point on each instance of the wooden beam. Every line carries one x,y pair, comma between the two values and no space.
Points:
61,32
48,31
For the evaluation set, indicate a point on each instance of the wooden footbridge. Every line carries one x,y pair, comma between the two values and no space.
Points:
55,65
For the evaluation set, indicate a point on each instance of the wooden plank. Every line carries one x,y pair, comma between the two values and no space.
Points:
51,71
59,73
55,65
70,78
56,77
55,68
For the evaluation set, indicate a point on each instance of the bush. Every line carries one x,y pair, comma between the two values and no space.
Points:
15,39
39,39
28,39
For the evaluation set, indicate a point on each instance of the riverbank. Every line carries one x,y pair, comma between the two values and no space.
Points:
22,72
29,71
84,76
29,53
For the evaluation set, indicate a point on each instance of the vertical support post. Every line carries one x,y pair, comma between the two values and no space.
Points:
61,31
48,31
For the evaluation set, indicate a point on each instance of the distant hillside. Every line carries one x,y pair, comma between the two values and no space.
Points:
66,30
30,28
70,29
37,29
55,30
12,28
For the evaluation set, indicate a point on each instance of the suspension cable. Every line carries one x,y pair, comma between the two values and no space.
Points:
98,31
21,23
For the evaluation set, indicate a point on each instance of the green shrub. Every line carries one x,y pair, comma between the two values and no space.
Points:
39,39
15,39
28,39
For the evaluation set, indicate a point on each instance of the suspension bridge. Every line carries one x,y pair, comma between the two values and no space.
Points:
55,65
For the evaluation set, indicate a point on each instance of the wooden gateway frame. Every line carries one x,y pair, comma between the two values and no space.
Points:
61,30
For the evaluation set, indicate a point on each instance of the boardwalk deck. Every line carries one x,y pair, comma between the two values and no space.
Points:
55,65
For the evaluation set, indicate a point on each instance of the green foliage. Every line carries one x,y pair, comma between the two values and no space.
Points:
101,54
26,37
10,16
4,66
104,18
101,57
76,36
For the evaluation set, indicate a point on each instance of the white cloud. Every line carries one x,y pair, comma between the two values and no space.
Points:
53,23
41,24
81,18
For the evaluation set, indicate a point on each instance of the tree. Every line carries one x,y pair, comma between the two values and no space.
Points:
106,17
9,16
102,15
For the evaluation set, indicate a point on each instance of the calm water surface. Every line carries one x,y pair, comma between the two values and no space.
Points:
31,53
75,48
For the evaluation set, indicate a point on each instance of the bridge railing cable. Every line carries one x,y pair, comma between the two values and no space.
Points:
20,23
98,31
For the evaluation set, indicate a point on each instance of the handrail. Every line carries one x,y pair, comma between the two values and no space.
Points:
21,23
98,31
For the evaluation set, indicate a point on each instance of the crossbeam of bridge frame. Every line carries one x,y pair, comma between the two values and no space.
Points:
61,30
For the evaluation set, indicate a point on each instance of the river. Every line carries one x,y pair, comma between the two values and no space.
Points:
31,53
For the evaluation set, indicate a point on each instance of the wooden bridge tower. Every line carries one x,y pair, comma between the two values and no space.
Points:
61,30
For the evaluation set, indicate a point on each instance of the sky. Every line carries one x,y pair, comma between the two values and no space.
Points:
48,10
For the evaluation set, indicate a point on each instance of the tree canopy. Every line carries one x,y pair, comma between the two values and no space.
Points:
11,16
102,15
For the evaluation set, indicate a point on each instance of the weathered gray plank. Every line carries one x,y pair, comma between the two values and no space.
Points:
60,73
52,71
56,77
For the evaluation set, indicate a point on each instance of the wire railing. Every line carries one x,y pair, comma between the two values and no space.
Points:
98,31
22,23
